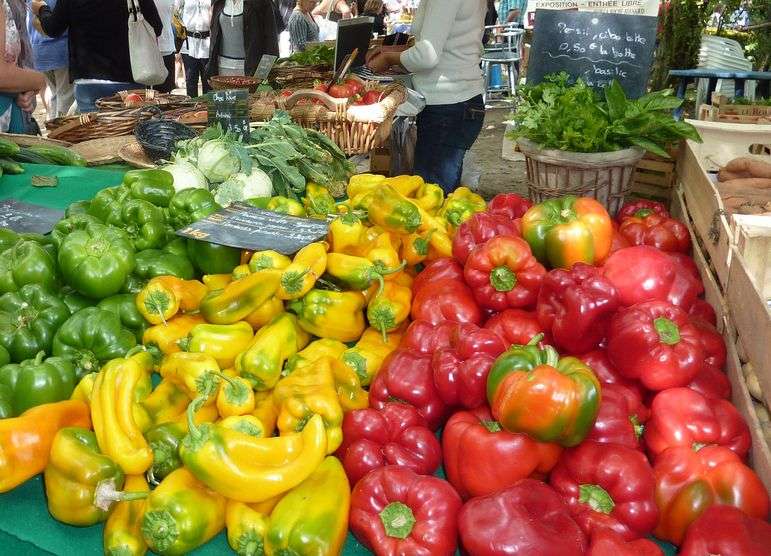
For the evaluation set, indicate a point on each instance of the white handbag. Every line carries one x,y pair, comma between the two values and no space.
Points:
147,65
327,27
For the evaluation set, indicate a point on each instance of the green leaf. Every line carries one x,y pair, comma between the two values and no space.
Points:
616,99
649,146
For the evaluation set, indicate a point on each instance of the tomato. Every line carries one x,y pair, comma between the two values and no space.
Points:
132,99
355,85
340,90
321,87
372,97
286,93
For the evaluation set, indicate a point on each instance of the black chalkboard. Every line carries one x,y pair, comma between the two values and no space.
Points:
27,218
246,227
230,108
597,47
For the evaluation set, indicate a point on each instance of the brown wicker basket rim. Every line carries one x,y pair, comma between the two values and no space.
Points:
624,157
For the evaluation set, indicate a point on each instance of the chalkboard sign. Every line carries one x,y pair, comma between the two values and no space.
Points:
247,227
597,47
27,218
264,67
230,108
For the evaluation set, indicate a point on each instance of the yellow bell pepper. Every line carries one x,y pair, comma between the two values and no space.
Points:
366,357
308,265
318,201
166,336
249,469
439,246
332,315
265,411
123,530
268,260
385,256
246,529
313,517
461,205
84,388
392,211
274,343
196,374
430,197
284,205
363,183
214,282
388,310
409,186
345,234
245,424
265,313
166,403
307,391
358,273
181,514
240,298
241,271
222,341
315,351
235,396
415,247
115,408
165,296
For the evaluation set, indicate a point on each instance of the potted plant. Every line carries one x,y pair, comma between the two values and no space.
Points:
577,141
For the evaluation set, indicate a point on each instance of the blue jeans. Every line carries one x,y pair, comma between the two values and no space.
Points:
87,94
445,133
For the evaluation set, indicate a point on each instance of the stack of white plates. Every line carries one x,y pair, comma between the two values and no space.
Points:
724,54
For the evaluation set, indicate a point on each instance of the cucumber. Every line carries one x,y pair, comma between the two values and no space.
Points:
10,167
30,157
59,155
8,148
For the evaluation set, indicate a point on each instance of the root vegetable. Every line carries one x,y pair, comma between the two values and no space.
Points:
746,183
724,175
754,167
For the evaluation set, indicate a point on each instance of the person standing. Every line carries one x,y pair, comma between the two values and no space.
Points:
100,63
196,16
166,43
302,25
50,55
445,63
242,31
376,10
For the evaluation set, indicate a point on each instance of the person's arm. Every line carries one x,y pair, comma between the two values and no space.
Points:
439,17
150,13
53,22
14,79
298,32
269,28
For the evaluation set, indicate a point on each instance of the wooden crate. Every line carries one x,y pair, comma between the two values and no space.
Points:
654,178
722,111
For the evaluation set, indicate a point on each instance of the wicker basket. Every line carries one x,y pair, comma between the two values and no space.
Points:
150,97
223,82
298,77
158,137
356,129
606,177
96,125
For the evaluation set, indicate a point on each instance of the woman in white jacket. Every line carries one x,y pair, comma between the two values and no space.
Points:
445,62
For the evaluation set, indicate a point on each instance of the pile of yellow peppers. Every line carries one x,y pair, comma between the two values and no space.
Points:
257,369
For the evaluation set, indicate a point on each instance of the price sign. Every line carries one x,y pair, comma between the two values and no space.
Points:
264,67
230,108
27,218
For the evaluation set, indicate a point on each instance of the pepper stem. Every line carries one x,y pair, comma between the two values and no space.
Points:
535,340
492,426
192,409
638,427
643,213
398,520
596,497
503,279
160,530
106,494
668,331
387,271
39,357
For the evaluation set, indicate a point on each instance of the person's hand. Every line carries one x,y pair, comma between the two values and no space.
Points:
37,5
26,101
383,61
378,50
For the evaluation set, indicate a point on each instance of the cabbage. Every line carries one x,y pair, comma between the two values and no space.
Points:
244,186
218,159
186,175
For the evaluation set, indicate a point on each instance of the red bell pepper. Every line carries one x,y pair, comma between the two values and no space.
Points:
461,368
645,227
481,458
504,274
712,341
683,417
515,326
406,376
702,309
640,274
606,542
394,435
687,285
481,228
607,486
445,300
576,306
656,343
441,269
396,512
621,417
688,482
510,205
711,383
529,518
425,338
608,374
618,241
532,390
641,209
726,530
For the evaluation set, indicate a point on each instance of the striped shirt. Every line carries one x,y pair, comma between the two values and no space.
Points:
302,30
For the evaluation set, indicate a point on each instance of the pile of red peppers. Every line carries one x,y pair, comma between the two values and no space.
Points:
575,377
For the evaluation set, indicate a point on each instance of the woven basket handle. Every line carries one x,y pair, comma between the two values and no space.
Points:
84,119
333,104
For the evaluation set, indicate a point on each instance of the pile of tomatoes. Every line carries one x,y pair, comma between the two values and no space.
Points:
350,88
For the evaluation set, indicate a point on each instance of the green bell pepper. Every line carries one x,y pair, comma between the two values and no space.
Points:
68,225
92,337
177,246
144,223
34,382
29,319
124,305
190,205
210,258
164,441
97,260
157,262
78,207
73,300
153,186
107,205
27,262
5,357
